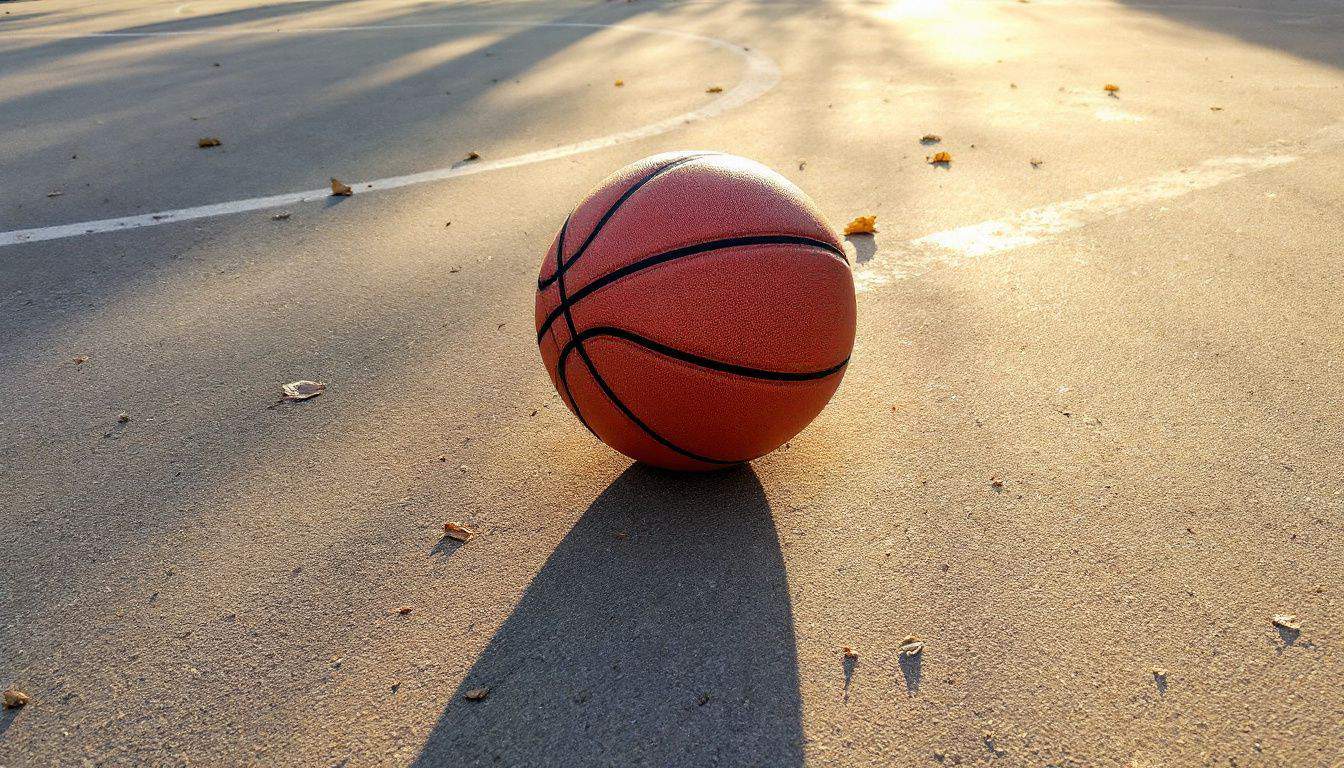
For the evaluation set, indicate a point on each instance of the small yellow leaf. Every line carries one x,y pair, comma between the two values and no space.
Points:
940,157
16,698
340,188
862,225
208,141
620,83
1110,88
457,531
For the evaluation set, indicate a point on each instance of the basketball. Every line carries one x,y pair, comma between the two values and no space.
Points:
695,311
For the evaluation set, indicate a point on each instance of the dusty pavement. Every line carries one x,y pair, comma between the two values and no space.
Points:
1098,436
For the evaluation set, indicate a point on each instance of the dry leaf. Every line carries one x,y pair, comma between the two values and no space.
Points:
457,531
1110,88
340,188
862,225
1216,109
123,417
281,216
302,390
1036,163
1287,621
619,535
55,193
930,138
620,83
912,646
940,157
476,694
81,360
1160,673
208,141
471,156
405,609
714,89
849,652
996,484
16,698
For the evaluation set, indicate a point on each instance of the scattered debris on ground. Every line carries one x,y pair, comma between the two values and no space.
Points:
471,156
281,216
208,141
1288,621
849,652
714,89
123,417
302,390
939,157
1035,163
15,698
340,188
457,531
618,535
80,359
862,225
477,694
912,646
404,610
55,193
703,699
996,484
1215,109
930,138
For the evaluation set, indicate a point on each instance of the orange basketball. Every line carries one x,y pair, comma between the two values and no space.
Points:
695,310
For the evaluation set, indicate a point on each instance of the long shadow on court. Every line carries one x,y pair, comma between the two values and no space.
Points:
658,633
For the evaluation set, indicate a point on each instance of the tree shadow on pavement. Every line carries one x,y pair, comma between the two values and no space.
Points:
658,633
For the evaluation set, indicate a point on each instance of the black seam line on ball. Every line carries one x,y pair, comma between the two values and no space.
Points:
703,362
560,259
560,268
680,253
576,343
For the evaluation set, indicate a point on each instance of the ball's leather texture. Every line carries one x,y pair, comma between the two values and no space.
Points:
695,310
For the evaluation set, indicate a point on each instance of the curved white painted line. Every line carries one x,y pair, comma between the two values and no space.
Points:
760,76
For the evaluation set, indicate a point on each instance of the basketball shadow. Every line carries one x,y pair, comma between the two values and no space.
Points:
658,633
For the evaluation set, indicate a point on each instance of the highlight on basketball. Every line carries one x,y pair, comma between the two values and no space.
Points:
672,383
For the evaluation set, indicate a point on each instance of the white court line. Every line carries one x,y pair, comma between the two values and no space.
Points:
1035,225
760,76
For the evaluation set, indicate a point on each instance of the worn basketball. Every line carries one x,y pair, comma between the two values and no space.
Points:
695,310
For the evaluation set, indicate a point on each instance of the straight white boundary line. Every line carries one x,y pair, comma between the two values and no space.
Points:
1034,225
760,76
